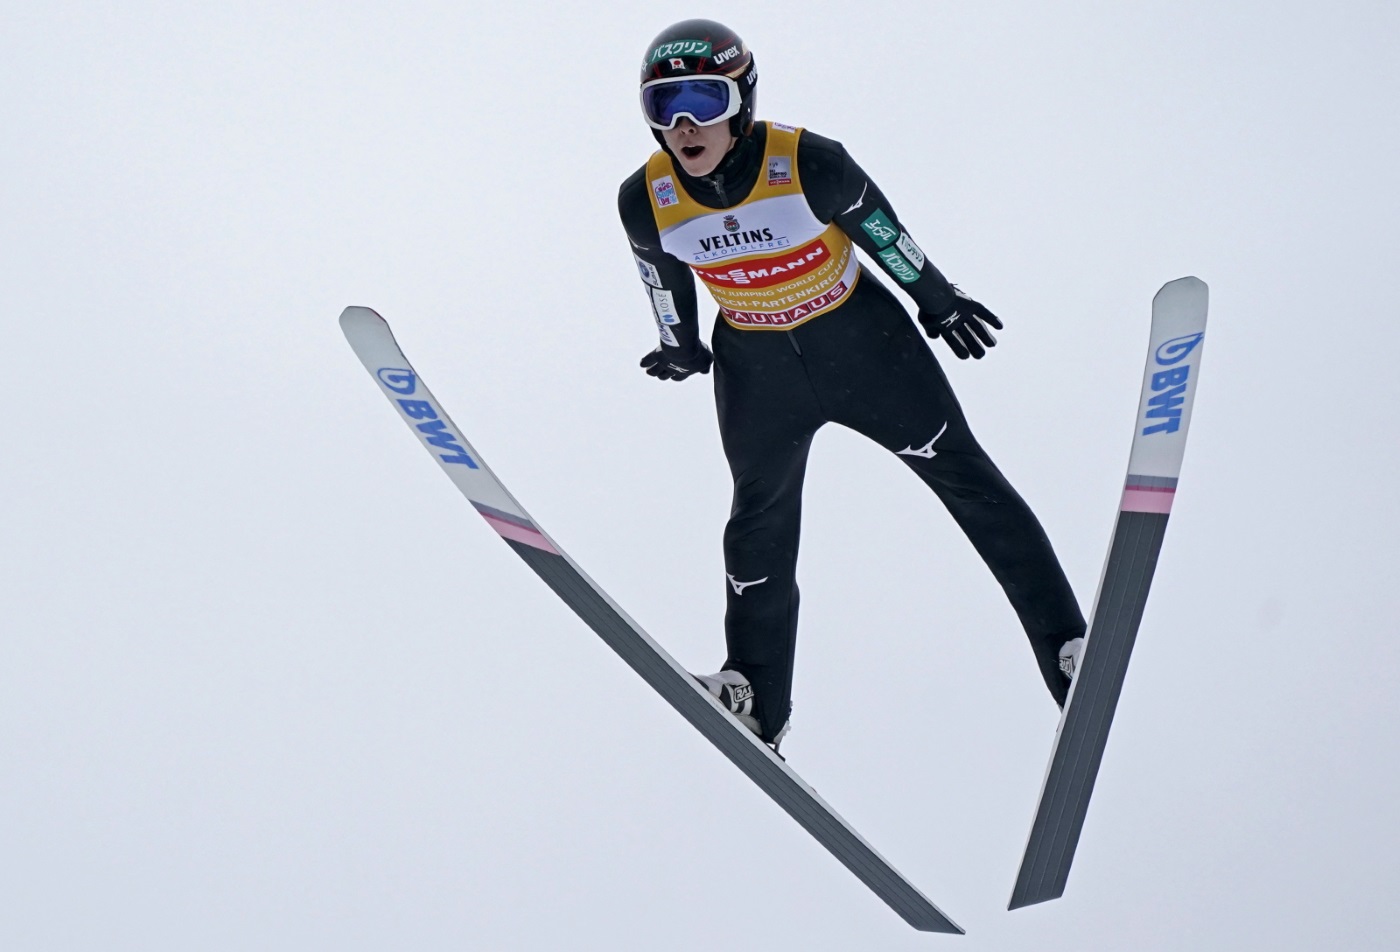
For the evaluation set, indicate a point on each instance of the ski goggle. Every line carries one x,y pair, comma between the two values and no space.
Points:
704,100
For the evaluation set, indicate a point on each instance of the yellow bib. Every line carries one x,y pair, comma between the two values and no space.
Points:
768,262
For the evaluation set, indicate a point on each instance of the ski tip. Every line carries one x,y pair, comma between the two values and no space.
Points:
352,316
1187,288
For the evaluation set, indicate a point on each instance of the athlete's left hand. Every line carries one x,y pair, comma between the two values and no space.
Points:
963,325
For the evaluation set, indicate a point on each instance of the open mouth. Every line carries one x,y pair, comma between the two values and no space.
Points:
692,151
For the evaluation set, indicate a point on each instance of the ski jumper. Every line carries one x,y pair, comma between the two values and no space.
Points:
806,336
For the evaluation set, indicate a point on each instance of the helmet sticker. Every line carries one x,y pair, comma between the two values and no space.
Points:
681,48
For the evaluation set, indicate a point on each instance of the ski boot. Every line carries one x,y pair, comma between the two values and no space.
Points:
1070,653
734,691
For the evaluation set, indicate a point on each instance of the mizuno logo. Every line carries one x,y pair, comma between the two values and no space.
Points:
860,201
740,586
950,321
926,451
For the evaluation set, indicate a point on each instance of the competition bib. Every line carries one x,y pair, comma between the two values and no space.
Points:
768,262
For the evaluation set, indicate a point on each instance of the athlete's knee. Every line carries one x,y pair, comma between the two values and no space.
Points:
960,484
758,519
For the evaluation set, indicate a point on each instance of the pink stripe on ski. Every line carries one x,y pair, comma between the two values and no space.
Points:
1147,499
518,533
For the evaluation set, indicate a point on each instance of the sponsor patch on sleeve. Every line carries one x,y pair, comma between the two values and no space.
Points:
648,272
664,304
878,227
665,191
668,337
911,251
898,266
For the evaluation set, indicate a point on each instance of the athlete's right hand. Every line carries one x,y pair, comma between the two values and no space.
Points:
668,364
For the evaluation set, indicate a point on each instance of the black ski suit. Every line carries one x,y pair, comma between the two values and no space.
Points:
864,365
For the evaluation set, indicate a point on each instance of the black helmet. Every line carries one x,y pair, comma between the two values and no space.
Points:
704,48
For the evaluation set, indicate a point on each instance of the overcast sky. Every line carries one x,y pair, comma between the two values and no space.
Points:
266,681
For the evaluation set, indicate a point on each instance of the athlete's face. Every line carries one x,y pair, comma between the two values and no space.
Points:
698,148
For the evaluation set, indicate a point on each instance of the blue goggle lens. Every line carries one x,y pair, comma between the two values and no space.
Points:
704,100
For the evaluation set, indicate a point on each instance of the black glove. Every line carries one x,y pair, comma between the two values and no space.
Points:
666,363
961,325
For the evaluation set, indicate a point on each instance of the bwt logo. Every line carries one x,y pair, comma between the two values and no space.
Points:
1177,349
397,379
1169,386
433,427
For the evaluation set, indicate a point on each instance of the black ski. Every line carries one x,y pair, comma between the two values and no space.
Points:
374,344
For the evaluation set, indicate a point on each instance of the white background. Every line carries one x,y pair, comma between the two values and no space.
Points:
266,681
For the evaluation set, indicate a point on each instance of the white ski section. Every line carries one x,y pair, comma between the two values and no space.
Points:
1178,339
373,342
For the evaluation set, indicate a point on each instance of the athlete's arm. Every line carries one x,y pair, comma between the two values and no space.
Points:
669,282
838,190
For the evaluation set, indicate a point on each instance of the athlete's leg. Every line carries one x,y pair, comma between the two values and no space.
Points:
894,392
767,417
